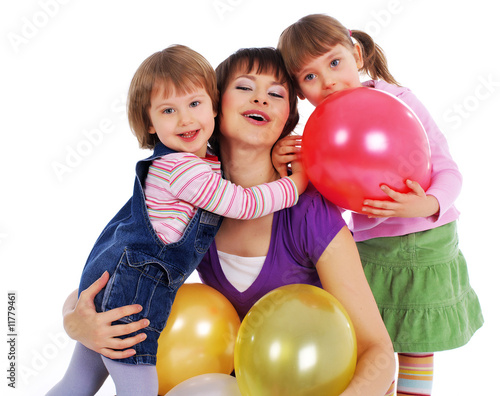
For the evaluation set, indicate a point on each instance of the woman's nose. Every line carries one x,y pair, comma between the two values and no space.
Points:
259,97
260,101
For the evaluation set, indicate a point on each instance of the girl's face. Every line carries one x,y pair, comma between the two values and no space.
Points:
254,109
183,122
334,71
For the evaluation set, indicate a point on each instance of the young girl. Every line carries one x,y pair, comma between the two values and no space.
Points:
408,245
159,237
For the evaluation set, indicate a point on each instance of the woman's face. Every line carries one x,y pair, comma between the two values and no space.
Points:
254,109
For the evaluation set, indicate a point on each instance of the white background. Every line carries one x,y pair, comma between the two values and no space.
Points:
67,154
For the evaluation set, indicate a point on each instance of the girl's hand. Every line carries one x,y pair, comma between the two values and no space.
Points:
298,175
285,151
413,204
94,330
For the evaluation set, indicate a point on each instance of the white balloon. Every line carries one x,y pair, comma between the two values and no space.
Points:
215,384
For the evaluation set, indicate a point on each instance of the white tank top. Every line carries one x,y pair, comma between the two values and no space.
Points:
240,271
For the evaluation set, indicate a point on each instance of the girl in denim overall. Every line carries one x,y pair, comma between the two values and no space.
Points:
161,234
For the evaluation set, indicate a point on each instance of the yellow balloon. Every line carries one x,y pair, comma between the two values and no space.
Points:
199,337
297,340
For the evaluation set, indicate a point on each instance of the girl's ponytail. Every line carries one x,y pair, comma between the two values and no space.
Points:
374,60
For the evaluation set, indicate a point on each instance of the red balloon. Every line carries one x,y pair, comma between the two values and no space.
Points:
358,139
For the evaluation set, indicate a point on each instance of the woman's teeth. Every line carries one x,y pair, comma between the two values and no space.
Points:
257,117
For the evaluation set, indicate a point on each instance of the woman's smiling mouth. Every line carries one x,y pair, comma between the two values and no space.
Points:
256,116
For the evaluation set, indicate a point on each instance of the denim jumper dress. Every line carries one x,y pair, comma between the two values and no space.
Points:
143,269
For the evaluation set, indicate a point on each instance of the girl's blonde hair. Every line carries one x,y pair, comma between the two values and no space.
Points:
316,34
176,68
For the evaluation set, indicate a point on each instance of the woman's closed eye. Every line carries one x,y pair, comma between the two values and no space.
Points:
277,94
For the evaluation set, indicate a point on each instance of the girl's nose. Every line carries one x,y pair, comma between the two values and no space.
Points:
185,118
328,82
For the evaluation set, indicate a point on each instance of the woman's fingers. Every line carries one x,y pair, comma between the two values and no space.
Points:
121,312
92,291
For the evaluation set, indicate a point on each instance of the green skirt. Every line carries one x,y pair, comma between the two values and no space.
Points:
421,286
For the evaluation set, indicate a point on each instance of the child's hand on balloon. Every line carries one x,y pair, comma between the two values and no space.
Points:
285,151
415,203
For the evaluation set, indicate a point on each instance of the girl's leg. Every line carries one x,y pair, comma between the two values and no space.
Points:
85,375
133,379
415,373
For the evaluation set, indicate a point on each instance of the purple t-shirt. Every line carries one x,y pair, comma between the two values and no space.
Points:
299,236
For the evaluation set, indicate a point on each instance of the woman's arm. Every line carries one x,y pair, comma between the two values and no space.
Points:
94,330
341,274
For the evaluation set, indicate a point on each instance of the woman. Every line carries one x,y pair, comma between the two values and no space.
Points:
308,243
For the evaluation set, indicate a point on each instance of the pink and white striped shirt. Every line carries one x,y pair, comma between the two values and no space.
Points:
179,183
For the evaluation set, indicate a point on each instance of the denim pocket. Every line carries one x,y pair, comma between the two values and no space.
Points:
143,279
207,228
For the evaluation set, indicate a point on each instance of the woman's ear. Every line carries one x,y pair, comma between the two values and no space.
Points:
152,130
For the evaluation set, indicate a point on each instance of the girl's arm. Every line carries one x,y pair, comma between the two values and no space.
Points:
341,274
94,330
193,181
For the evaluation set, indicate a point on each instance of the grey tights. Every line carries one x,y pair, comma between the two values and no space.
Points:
88,370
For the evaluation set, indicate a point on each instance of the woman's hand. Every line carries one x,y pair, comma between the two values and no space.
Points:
285,151
413,204
94,330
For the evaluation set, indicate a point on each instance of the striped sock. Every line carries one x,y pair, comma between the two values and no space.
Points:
415,374
390,391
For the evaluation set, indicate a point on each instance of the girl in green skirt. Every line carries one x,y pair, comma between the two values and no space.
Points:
408,244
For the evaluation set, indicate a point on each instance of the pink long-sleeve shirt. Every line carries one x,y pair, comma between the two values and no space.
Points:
179,183
446,180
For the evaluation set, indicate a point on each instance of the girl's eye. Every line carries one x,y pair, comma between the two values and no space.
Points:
195,103
243,88
309,77
334,63
168,111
